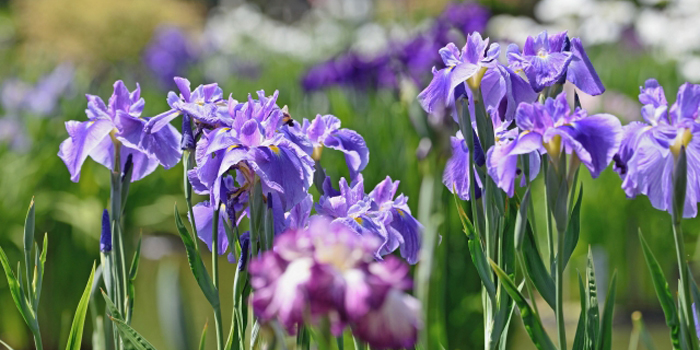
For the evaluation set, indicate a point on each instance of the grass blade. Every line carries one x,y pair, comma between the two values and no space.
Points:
196,264
532,323
16,291
130,335
536,269
573,229
580,337
663,292
203,338
131,290
605,335
592,310
6,346
28,244
75,337
39,274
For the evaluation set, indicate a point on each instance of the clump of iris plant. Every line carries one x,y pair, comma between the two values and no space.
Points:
327,274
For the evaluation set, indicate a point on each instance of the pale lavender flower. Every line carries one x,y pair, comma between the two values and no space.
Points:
649,149
118,122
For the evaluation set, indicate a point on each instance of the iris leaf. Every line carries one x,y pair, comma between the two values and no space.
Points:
131,336
532,323
605,335
536,269
75,336
573,229
203,338
196,264
663,292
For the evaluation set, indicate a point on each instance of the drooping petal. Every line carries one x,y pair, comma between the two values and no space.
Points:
353,145
204,219
164,145
581,72
457,175
410,230
435,97
84,138
595,139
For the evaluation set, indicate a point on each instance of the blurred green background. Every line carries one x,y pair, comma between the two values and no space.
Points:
246,46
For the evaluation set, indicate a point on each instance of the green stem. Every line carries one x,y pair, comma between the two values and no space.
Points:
561,323
187,165
37,340
550,234
215,273
685,283
119,267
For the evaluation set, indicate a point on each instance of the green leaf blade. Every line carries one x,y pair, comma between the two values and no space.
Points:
75,337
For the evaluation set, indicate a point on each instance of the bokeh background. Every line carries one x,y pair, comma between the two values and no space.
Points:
361,60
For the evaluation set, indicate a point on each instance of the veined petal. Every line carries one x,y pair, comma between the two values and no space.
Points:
353,145
599,135
204,219
164,145
84,138
457,175
435,97
546,71
581,72
161,120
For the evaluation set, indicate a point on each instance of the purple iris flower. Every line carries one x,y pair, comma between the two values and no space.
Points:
548,60
647,154
505,168
503,90
205,104
325,131
353,208
253,147
118,122
328,271
471,62
551,128
169,54
402,228
377,214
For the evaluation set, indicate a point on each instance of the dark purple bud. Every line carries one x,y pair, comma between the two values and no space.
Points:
187,142
269,200
127,167
245,248
479,157
106,236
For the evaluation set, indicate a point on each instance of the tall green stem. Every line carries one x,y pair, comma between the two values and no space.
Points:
215,275
561,323
37,340
119,267
685,283
187,165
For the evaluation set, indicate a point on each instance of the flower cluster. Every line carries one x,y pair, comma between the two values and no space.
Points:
328,272
410,59
649,149
239,144
523,128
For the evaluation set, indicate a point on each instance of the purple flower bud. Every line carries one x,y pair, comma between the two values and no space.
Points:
106,236
187,141
127,166
245,251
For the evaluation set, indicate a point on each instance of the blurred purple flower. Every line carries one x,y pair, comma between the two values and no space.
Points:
328,271
410,59
118,122
169,54
548,60
648,151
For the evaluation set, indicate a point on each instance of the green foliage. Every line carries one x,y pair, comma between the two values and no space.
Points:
75,336
199,271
